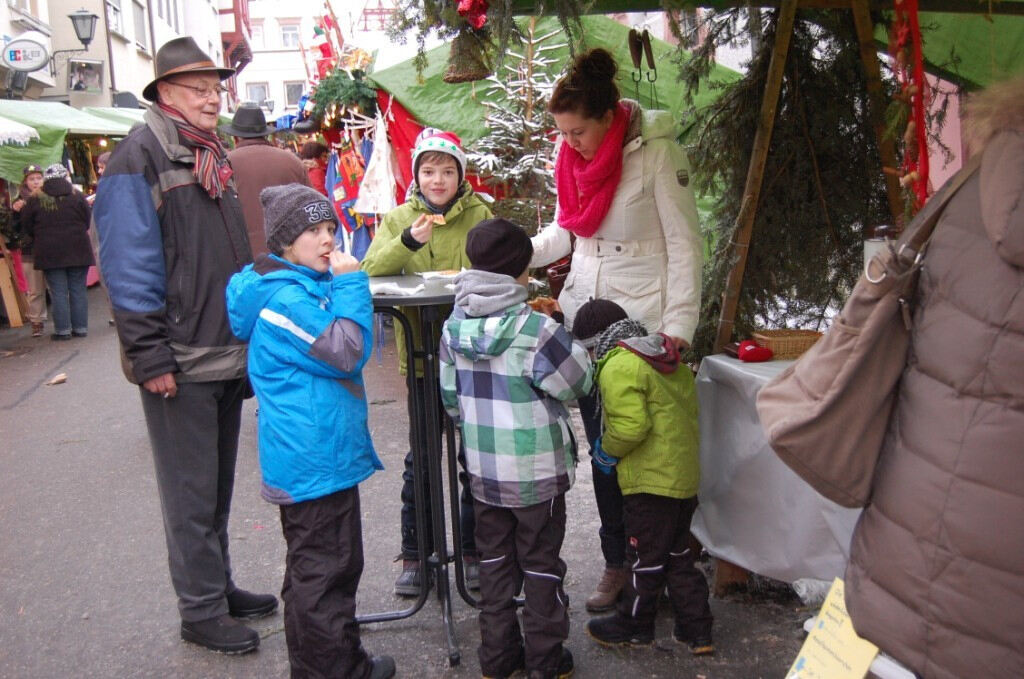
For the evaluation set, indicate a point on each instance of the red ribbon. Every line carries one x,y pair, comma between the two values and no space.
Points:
910,76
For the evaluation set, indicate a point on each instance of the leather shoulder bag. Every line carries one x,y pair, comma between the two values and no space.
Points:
826,415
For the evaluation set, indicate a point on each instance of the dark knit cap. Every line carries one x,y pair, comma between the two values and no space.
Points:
593,317
499,246
290,209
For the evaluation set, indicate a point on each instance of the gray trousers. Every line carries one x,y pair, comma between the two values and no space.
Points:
195,443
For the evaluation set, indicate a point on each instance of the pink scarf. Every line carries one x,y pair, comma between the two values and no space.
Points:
586,187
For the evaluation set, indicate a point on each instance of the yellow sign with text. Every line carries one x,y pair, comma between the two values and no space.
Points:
832,649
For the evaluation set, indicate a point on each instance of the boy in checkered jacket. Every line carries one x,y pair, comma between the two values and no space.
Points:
505,372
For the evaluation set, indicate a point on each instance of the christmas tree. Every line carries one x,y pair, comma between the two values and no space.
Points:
516,157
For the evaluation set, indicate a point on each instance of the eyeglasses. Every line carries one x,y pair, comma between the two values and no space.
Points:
203,92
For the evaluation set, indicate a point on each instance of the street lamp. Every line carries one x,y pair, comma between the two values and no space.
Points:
84,23
268,104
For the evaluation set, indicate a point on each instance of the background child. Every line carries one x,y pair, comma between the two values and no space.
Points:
650,435
306,312
409,242
505,370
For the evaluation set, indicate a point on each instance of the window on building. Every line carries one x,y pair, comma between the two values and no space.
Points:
114,16
292,92
289,35
160,12
257,92
141,31
256,34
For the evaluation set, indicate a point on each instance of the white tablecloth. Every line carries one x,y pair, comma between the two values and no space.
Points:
754,510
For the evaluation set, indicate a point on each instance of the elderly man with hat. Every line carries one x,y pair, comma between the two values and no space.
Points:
258,164
171,235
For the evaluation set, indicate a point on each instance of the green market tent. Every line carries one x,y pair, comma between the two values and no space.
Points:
128,116
972,49
961,43
54,122
457,107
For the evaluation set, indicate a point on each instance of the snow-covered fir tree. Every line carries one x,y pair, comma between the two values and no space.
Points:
517,154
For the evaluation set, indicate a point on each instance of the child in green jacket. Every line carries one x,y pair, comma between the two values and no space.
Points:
650,436
411,239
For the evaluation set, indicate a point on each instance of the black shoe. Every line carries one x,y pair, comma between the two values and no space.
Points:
223,634
75,333
699,644
564,671
242,604
382,667
616,630
56,337
410,581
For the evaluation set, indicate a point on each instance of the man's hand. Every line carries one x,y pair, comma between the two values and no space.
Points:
17,205
423,228
164,384
342,262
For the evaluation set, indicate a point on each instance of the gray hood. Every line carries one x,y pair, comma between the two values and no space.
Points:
482,293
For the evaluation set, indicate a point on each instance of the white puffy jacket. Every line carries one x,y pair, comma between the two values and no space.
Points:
646,255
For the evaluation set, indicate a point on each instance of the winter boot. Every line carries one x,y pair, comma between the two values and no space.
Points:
607,592
699,644
618,630
564,671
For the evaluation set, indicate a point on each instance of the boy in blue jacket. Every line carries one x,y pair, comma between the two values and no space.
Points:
306,311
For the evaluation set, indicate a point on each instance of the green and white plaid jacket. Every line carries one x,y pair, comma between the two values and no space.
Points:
504,377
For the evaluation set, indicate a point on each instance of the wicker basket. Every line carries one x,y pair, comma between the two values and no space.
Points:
787,344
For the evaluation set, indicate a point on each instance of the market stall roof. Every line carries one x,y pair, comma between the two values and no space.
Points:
458,107
967,41
54,113
12,132
53,121
129,116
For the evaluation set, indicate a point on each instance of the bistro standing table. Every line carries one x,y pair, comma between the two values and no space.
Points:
430,297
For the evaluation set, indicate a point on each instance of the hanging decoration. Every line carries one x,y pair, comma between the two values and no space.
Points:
474,11
908,65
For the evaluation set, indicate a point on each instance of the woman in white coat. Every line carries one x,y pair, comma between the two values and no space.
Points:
624,194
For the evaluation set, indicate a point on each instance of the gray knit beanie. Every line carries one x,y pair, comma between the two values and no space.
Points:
290,209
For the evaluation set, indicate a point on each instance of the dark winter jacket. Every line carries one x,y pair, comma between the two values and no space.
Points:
936,574
58,224
257,165
167,251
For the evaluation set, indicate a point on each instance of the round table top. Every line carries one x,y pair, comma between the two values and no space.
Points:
436,291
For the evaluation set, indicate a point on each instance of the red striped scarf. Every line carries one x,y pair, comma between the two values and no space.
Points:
211,169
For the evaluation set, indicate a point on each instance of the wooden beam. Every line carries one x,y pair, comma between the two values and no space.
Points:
755,172
876,104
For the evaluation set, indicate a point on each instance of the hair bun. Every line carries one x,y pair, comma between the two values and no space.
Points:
596,65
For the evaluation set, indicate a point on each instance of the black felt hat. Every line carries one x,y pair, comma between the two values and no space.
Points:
182,55
248,123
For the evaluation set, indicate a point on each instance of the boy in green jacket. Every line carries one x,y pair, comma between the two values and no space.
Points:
650,436
412,239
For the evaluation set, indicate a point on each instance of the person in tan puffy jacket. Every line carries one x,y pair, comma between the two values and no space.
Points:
936,573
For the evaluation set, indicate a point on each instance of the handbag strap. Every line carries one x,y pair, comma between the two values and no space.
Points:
915,237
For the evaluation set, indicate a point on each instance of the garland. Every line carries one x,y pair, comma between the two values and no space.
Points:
914,92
